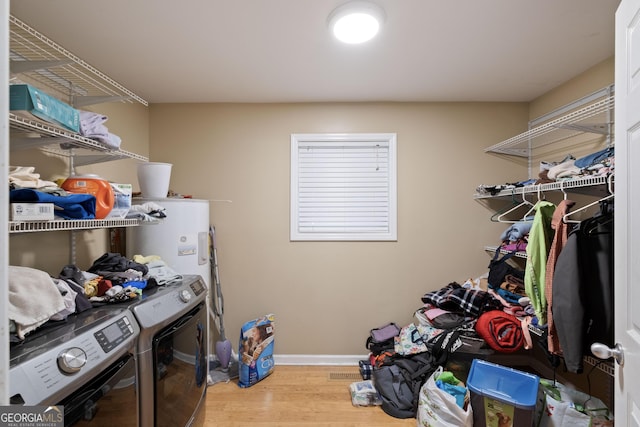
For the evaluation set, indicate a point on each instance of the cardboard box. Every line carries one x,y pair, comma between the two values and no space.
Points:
33,101
32,211
122,200
501,395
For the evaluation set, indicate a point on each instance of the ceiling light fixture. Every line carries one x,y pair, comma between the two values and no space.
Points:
356,21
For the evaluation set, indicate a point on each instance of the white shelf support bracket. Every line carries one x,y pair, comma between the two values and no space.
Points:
26,143
82,101
18,67
601,129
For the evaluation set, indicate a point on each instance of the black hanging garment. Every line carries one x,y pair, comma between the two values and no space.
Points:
583,288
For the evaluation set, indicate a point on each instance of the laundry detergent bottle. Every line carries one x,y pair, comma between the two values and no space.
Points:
98,187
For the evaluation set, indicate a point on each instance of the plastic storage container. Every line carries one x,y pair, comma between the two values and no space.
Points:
154,179
502,396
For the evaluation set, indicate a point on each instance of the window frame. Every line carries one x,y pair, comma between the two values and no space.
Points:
353,139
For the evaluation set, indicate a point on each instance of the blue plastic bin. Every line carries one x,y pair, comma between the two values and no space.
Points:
502,396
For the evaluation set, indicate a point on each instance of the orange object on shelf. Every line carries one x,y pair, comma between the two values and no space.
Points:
98,187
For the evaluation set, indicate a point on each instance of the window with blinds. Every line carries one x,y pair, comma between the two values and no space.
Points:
343,187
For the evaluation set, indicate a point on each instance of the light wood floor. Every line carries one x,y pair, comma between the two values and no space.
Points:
295,396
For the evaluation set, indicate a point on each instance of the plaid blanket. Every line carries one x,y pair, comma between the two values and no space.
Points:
453,297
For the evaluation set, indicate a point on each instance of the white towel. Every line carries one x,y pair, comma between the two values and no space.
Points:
109,139
160,271
92,126
26,177
33,298
90,121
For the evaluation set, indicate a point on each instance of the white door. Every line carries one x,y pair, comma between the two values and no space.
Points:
4,201
627,231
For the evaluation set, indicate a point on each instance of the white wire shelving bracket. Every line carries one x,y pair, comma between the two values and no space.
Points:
590,114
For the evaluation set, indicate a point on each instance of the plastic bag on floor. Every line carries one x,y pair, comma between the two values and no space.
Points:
564,406
437,408
363,393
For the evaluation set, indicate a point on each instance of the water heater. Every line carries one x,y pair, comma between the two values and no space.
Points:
181,239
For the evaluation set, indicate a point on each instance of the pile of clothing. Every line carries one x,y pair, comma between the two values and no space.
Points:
599,163
25,185
36,298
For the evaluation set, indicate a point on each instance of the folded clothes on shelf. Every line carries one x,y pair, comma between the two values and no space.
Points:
92,126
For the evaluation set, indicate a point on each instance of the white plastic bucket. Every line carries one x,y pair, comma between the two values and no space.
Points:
154,179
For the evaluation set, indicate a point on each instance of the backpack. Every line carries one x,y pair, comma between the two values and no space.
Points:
381,339
399,380
499,269
399,384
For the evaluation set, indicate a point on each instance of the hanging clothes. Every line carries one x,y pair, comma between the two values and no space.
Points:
583,288
540,237
561,233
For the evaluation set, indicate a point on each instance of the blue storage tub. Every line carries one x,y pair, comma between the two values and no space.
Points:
501,395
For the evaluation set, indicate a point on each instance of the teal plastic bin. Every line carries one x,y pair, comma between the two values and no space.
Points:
502,396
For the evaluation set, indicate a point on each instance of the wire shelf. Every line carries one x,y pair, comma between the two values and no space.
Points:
28,133
45,64
593,185
519,254
594,114
69,225
44,61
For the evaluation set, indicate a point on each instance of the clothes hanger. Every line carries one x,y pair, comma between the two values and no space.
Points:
564,193
541,197
524,202
606,217
566,219
495,215
565,197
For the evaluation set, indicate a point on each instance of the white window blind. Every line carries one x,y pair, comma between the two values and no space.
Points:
343,187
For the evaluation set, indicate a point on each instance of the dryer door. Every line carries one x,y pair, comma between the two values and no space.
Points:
180,369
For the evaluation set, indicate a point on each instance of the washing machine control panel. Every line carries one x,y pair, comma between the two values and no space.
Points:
114,334
57,366
197,287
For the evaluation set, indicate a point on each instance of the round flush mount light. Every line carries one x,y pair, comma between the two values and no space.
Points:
356,21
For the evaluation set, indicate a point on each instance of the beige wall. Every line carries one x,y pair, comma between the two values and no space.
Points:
594,79
327,295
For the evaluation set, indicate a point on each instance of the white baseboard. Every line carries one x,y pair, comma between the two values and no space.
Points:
319,359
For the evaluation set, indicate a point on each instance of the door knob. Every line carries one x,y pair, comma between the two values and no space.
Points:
601,351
